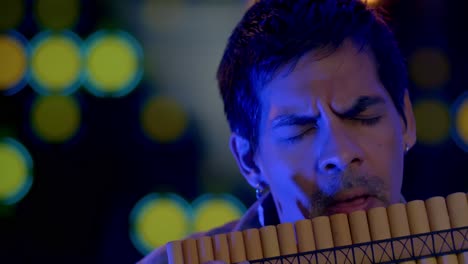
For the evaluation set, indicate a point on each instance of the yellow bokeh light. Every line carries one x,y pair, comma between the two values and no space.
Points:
461,122
163,119
55,118
432,121
158,219
11,13
13,65
212,211
15,167
57,14
56,63
113,64
429,68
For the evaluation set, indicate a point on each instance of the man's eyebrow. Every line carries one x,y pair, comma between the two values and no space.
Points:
360,105
293,120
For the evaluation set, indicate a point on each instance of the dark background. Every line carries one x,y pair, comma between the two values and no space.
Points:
77,210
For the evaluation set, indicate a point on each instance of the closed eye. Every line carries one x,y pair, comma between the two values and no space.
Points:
368,121
301,135
360,106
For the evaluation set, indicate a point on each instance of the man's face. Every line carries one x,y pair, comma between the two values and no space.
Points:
331,139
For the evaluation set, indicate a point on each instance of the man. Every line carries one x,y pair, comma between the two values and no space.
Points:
315,92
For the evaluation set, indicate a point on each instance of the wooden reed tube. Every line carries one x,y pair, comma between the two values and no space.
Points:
305,236
287,242
340,230
439,220
190,252
287,239
360,234
205,249
379,230
341,236
269,239
174,251
457,206
253,244
236,247
419,223
399,227
305,239
221,248
323,238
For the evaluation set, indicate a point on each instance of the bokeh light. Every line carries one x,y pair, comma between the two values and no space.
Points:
55,118
11,13
113,63
57,14
429,68
14,62
157,219
163,119
432,121
56,62
214,210
15,171
460,129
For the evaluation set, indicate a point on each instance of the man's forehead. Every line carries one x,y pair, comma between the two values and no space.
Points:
345,64
293,97
338,79
346,57
312,107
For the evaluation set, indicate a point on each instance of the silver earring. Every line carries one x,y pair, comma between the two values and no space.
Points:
407,148
260,190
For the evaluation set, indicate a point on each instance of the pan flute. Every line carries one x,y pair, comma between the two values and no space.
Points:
421,231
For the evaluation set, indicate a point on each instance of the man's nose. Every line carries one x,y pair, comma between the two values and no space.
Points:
339,151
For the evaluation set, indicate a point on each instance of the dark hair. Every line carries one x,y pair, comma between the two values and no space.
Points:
276,33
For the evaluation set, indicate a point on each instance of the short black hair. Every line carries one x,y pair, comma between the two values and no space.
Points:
276,33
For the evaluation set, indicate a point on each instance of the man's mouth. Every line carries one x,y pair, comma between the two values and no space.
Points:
349,203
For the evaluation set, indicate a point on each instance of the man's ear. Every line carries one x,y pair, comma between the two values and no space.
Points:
245,158
409,134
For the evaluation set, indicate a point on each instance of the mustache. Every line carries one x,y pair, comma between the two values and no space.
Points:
322,198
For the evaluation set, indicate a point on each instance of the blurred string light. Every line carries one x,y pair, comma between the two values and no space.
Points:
14,52
429,68
55,118
11,14
114,62
432,121
212,211
15,171
57,14
56,62
163,119
157,219
460,128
